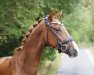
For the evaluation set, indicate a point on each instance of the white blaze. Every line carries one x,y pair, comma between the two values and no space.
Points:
75,46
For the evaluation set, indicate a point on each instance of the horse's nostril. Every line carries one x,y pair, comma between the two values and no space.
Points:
75,53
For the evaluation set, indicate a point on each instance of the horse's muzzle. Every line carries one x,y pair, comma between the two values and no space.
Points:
72,53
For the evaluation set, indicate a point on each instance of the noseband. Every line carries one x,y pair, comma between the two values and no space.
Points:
62,45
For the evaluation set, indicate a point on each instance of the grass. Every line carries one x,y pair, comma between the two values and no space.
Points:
49,67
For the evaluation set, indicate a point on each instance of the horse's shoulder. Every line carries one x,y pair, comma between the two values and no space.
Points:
5,58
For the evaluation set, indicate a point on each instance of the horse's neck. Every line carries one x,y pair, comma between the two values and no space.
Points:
27,60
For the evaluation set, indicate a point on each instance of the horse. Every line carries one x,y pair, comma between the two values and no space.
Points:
48,32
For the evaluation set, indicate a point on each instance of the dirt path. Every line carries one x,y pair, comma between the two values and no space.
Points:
80,65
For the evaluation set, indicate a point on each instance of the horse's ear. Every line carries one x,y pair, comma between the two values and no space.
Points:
50,18
58,15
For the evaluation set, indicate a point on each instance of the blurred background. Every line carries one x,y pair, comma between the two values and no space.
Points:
16,16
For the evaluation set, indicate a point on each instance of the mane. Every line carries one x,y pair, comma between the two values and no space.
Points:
27,35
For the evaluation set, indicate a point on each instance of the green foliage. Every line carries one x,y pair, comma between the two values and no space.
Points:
79,22
49,54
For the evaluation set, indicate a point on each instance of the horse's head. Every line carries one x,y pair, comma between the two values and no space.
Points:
57,36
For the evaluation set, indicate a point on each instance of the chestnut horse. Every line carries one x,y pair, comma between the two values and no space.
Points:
48,32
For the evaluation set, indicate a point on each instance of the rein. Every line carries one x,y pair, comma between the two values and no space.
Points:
62,45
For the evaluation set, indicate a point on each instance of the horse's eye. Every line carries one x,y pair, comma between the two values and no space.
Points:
57,30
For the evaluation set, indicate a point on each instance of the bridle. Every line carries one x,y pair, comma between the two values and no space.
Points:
62,45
